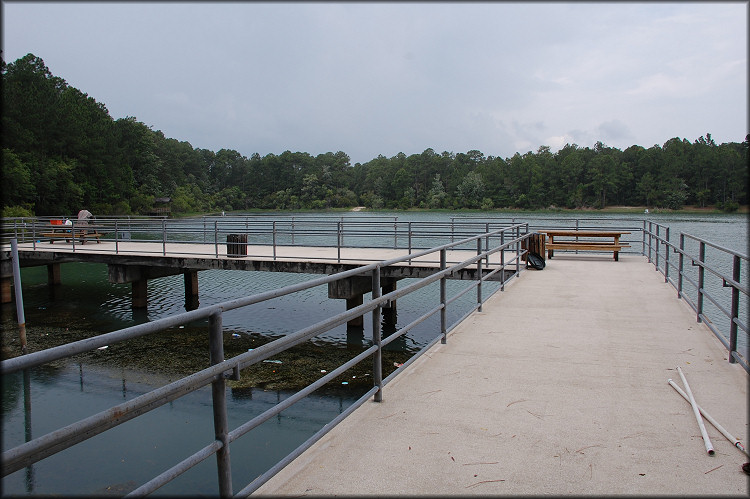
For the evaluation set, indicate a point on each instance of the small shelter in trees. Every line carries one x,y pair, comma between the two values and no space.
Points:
162,207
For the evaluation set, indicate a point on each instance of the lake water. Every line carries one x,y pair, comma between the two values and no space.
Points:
123,458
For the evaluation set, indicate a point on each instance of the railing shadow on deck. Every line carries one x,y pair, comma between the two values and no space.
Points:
497,243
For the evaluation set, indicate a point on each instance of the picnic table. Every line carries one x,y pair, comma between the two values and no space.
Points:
560,239
68,232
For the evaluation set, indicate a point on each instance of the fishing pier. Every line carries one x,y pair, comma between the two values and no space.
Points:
556,382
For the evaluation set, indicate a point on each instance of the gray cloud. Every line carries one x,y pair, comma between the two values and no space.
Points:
383,78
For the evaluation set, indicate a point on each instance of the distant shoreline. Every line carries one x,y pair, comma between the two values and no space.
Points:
688,210
608,209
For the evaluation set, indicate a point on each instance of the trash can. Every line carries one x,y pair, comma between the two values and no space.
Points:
236,245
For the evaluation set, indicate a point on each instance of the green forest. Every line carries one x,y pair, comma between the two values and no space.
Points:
63,152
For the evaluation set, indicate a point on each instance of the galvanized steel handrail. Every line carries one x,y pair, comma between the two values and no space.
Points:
658,247
171,236
30,452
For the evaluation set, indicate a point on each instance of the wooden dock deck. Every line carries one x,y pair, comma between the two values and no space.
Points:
558,387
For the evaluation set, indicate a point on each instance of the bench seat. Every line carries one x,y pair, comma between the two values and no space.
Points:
586,245
67,236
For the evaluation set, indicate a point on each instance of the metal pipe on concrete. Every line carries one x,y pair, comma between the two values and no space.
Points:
696,411
711,420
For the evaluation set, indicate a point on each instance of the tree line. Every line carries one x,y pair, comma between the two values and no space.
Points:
62,152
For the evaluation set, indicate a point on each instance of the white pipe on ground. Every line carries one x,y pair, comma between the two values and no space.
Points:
706,440
711,420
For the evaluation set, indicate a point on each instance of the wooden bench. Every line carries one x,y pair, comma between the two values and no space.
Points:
614,245
82,234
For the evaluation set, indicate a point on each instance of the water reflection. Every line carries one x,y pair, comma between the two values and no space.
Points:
140,449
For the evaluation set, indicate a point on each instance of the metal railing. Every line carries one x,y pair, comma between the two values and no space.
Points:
172,236
502,241
707,270
540,222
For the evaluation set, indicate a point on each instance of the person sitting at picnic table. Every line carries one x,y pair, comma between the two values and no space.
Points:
83,219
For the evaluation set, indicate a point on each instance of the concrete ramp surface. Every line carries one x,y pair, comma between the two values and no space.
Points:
559,386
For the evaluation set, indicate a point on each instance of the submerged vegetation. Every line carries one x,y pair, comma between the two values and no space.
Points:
62,151
156,355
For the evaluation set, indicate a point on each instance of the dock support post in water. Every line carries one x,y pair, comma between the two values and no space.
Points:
53,274
353,290
138,276
351,303
140,293
389,311
191,290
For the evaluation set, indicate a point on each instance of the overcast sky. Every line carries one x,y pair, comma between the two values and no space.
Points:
383,78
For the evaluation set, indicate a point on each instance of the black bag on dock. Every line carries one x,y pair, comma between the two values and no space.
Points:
536,261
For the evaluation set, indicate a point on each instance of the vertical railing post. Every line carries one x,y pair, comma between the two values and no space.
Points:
395,232
33,234
487,244
735,310
273,238
164,237
443,298
338,241
656,252
409,230
292,231
518,251
643,243
216,238
377,361
681,265
650,235
479,274
219,398
502,260
666,257
117,240
701,273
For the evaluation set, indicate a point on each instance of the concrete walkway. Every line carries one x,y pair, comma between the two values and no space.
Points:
558,387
